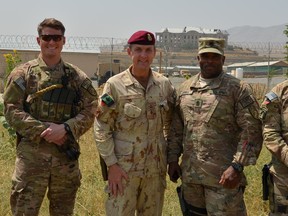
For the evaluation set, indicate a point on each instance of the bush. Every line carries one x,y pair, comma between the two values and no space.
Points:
12,60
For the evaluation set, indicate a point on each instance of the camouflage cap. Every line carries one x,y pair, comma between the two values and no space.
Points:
211,45
142,38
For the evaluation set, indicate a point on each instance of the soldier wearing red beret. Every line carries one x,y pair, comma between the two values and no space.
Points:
134,116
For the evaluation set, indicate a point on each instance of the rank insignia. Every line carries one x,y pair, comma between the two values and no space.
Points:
198,103
149,37
107,100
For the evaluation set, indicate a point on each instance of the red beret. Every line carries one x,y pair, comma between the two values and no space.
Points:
142,38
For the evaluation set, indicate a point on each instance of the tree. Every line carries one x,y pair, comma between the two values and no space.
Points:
286,46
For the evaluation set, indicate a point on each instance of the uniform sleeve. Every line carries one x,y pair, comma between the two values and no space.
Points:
88,99
247,117
272,131
14,96
171,97
175,136
104,125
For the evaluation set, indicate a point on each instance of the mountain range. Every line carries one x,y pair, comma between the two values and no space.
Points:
273,34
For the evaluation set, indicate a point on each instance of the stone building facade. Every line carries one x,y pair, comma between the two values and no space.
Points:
176,39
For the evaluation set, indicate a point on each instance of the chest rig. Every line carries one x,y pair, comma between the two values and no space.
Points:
52,99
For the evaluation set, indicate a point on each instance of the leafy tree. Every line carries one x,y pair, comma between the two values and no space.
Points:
286,46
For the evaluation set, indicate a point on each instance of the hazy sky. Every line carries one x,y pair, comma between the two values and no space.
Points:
120,18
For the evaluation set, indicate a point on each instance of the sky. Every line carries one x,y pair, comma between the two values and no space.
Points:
121,18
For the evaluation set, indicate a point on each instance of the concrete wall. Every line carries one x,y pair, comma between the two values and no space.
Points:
88,62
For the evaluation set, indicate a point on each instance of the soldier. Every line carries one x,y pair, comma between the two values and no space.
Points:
50,104
217,129
133,119
275,131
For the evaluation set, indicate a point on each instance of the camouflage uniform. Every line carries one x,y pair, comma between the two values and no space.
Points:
275,133
214,125
130,133
39,164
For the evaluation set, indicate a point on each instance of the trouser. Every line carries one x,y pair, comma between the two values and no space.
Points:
278,197
38,168
143,196
207,200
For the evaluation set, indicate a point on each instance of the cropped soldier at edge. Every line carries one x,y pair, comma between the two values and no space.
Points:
275,133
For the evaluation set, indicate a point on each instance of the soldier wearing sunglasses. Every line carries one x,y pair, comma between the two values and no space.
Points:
50,104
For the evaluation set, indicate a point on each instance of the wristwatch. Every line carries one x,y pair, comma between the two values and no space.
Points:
67,128
238,167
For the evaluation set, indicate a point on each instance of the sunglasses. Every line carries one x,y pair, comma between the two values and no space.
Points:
48,38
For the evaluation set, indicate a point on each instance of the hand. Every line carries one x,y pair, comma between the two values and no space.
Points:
230,178
174,171
115,175
55,133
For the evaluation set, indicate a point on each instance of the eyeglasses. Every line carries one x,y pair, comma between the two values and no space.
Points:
55,38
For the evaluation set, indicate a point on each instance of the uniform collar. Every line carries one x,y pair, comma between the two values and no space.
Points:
214,84
128,79
44,66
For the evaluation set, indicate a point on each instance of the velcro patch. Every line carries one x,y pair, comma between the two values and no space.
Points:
247,101
107,100
21,83
87,84
271,96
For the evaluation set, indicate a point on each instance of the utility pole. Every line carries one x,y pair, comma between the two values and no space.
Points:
268,72
160,63
111,60
166,59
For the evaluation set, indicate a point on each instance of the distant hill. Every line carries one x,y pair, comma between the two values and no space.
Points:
273,34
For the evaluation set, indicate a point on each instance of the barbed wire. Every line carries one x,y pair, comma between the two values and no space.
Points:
261,47
72,43
117,44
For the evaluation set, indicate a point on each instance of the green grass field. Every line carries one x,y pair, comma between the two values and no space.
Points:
90,199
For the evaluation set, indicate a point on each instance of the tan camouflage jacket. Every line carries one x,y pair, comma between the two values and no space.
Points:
27,80
274,114
131,123
212,127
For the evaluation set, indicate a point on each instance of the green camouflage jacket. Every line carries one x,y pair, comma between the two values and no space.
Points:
213,126
29,81
274,115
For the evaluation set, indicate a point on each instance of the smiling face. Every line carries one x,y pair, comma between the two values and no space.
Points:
142,56
51,49
211,64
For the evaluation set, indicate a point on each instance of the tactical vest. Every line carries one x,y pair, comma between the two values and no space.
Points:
48,100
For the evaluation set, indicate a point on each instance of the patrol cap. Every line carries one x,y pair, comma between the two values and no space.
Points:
142,37
211,45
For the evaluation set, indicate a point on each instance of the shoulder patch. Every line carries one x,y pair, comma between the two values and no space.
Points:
107,100
246,101
87,85
271,96
21,83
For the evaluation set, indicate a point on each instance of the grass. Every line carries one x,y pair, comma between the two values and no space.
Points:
91,197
